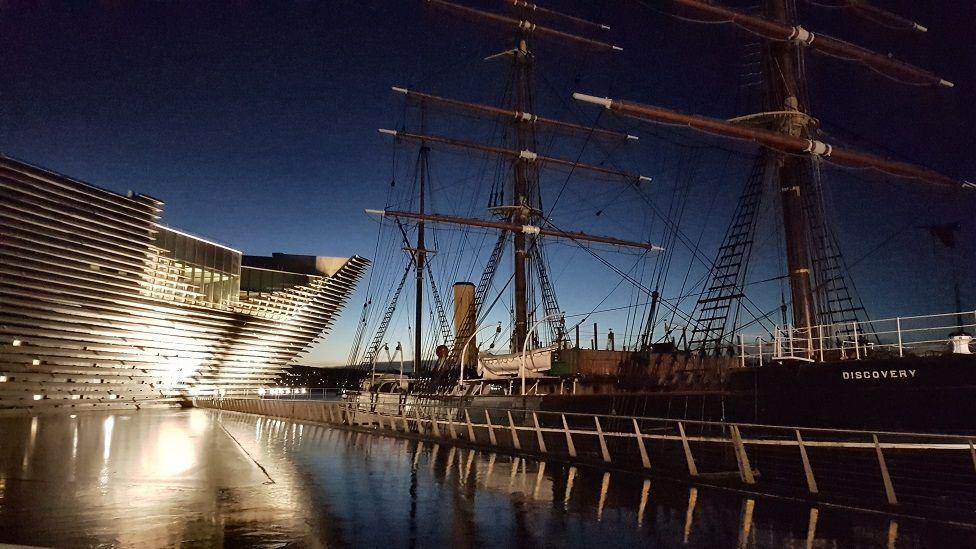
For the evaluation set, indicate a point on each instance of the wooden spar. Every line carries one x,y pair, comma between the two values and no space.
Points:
521,117
525,26
514,154
555,14
774,30
878,15
526,229
775,140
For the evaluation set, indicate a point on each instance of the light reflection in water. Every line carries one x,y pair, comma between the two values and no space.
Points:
25,463
645,492
210,478
108,427
812,527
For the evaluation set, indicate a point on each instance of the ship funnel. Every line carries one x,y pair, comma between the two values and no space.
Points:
464,320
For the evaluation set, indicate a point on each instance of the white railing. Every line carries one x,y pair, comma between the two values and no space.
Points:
889,337
933,471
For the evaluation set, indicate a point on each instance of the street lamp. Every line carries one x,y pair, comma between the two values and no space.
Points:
375,356
525,345
464,351
399,349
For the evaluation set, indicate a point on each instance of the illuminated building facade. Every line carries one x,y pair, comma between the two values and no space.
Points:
101,306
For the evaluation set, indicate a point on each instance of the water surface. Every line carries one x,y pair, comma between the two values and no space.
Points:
209,478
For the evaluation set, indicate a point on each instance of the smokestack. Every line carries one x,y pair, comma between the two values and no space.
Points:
464,320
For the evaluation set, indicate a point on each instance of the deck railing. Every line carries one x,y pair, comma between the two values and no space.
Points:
890,337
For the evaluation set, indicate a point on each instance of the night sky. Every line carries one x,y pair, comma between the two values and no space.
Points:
256,124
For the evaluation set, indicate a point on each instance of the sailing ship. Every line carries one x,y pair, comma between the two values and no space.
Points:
827,363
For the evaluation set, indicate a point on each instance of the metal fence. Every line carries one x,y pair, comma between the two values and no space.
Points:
899,336
874,468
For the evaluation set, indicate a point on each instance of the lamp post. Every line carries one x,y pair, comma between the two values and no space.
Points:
399,349
386,347
464,351
525,346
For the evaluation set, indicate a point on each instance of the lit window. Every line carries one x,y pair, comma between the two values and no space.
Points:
36,362
3,379
17,343
113,396
75,397
38,397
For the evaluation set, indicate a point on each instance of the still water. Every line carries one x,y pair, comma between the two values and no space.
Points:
207,478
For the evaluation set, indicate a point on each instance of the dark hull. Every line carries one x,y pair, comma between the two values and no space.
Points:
921,394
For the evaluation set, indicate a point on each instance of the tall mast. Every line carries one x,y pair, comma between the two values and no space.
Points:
786,89
420,252
788,133
521,212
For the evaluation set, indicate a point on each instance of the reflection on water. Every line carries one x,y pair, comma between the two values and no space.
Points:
208,478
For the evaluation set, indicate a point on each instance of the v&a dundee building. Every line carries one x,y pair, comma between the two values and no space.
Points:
101,306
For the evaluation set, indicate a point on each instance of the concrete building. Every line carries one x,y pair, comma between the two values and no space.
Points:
101,306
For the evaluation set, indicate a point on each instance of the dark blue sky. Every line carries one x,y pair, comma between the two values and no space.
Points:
256,122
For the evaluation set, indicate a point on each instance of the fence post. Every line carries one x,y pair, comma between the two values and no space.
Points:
450,426
807,470
901,352
467,418
491,432
433,424
692,469
538,433
603,442
511,424
885,477
570,447
640,445
745,469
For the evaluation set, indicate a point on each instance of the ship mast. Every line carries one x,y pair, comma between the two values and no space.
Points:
791,136
521,212
420,253
786,89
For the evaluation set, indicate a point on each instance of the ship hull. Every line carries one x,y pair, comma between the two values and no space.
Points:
918,394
